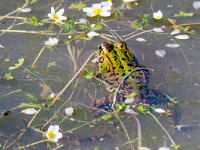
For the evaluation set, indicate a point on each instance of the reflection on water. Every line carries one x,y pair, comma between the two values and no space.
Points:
176,74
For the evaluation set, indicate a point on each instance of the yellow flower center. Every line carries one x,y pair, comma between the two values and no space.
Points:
51,134
97,11
158,17
55,17
109,1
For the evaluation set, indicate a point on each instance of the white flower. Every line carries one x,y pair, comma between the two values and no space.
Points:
164,148
69,111
172,45
157,15
107,3
57,16
160,53
128,1
159,30
29,111
51,42
141,40
98,10
91,34
182,37
196,5
52,133
160,111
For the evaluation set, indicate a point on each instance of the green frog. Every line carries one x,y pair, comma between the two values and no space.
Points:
120,69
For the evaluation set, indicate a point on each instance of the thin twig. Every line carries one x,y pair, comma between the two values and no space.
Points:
38,56
172,141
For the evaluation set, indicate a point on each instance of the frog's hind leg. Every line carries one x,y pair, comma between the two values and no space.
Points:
155,97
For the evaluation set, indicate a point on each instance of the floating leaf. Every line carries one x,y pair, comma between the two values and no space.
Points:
17,65
87,74
141,40
106,117
182,37
29,111
160,53
78,6
69,26
97,27
8,76
33,105
196,5
172,45
34,21
183,14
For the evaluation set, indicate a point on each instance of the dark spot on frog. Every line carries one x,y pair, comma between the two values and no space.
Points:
121,67
115,58
130,65
123,59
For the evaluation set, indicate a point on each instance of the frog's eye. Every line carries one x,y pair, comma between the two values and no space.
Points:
100,47
101,59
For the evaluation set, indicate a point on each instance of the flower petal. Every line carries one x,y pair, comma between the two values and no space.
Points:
52,10
172,45
59,135
160,53
29,111
182,37
175,32
87,9
141,40
60,12
159,30
130,111
164,148
105,14
196,5
69,111
94,6
160,110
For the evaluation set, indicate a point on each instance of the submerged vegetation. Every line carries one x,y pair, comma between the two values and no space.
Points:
49,83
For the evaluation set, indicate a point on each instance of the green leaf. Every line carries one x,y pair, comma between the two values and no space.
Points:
34,21
88,74
106,117
8,76
78,6
17,65
183,14
69,26
85,27
175,146
132,94
32,105
97,27
96,148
